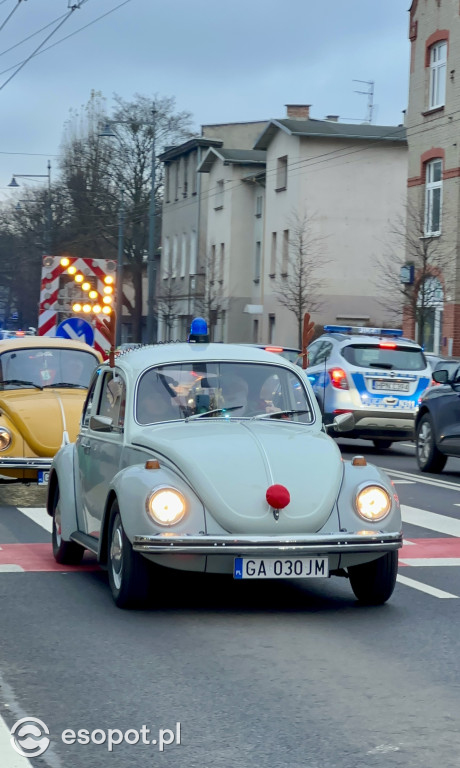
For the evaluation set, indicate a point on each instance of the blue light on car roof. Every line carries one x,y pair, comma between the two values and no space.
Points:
363,329
198,330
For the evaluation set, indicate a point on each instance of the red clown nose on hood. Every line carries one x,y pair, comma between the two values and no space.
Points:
278,496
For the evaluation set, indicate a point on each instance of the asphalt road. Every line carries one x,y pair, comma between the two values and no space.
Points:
261,675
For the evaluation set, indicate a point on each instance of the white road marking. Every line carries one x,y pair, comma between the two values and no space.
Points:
430,561
431,520
404,482
408,543
408,445
8,757
424,587
10,568
39,515
421,479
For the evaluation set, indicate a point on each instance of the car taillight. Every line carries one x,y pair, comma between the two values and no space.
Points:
387,345
338,378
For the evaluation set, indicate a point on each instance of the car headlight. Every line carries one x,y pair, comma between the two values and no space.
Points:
5,438
166,506
373,502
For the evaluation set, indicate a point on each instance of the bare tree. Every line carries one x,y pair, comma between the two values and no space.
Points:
299,285
212,304
427,261
168,302
97,170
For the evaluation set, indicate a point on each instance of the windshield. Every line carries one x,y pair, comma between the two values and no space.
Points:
220,390
391,358
46,367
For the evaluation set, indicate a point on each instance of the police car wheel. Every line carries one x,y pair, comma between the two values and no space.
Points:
382,445
429,459
373,583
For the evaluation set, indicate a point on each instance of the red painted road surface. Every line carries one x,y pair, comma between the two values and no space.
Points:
39,557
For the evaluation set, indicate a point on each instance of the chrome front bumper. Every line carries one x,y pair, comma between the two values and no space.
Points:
24,463
327,544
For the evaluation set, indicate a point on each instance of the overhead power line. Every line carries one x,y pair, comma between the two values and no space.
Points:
10,14
22,65
58,42
29,37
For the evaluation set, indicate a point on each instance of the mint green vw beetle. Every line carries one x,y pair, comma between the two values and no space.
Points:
213,457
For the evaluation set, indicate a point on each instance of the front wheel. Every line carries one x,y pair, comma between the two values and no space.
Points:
129,572
373,583
429,458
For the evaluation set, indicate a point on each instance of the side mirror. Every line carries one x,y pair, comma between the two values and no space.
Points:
441,377
101,423
343,422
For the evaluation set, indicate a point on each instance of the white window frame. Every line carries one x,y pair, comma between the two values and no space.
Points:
193,253
281,173
433,190
183,258
219,195
257,261
438,65
166,257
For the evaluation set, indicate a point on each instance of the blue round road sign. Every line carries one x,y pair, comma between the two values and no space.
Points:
77,329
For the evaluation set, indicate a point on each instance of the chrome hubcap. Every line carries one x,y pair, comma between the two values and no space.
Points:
424,442
58,525
116,553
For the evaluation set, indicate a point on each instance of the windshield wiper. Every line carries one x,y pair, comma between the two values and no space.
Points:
21,381
63,384
216,410
278,414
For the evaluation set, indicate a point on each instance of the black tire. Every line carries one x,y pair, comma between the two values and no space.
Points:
373,583
382,445
65,552
129,572
429,458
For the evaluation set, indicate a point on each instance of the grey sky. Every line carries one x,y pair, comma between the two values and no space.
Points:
224,62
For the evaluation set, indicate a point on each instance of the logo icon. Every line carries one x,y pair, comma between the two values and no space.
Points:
26,737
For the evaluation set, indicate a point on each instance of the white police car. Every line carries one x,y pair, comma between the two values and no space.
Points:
373,373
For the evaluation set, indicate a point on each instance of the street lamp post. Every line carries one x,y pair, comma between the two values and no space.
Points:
107,133
151,276
48,217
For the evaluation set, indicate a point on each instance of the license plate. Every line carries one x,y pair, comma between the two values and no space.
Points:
281,568
43,477
392,386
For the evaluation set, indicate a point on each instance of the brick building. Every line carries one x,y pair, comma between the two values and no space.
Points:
434,172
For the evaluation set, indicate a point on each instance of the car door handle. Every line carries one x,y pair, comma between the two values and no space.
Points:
85,445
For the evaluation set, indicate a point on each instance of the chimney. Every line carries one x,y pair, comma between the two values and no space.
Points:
332,118
298,111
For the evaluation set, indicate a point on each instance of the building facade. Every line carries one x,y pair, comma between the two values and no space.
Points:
432,313
276,189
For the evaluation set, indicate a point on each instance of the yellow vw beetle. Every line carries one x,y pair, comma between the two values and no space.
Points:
43,384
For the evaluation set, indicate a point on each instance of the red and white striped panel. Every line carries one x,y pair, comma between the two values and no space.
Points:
49,293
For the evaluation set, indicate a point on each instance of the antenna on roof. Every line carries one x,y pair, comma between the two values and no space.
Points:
370,98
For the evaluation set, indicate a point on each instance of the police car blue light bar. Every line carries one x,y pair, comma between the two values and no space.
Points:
362,329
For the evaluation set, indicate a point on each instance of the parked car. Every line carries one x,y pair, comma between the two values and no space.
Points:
373,373
290,353
437,424
239,477
43,384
